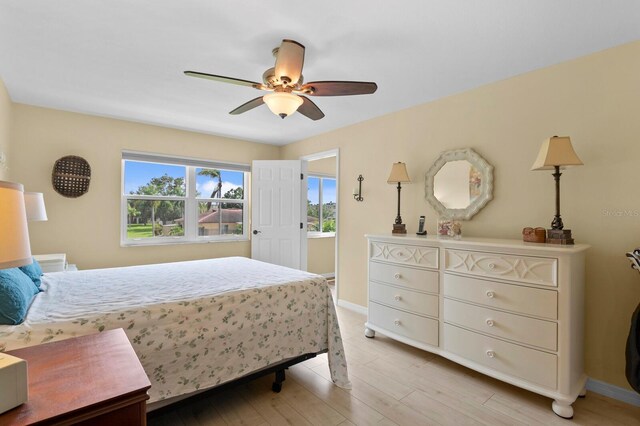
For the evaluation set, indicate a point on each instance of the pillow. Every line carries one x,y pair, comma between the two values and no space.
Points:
16,292
33,271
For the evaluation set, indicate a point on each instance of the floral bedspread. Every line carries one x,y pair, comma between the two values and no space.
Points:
193,324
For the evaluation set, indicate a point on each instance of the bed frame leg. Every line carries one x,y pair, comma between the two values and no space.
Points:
277,385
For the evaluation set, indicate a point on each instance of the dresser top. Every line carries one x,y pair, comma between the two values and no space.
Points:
469,242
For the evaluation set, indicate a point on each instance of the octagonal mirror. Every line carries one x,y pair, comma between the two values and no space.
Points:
459,184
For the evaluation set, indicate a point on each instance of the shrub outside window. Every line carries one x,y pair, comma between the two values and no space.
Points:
172,200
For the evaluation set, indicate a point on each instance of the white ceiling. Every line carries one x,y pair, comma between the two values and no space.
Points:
124,58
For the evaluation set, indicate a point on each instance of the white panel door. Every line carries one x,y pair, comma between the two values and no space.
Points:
278,227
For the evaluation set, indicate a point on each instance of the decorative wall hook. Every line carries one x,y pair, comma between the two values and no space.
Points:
357,193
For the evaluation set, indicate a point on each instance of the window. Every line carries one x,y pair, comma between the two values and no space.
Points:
171,200
321,206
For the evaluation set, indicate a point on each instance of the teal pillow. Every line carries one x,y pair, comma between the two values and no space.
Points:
33,271
16,292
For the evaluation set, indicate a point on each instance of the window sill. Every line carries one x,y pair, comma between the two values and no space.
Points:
311,235
181,242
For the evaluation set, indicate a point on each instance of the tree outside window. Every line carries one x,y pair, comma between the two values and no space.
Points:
321,205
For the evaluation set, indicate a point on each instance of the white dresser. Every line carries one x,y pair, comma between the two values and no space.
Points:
508,309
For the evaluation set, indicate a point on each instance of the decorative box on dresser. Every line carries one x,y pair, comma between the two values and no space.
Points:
506,308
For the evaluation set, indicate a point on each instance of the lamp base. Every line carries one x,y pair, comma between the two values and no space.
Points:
559,236
399,228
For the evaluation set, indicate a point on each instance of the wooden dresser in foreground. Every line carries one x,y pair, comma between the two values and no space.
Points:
508,309
89,380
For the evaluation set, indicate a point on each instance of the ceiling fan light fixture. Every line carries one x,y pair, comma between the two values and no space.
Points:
282,104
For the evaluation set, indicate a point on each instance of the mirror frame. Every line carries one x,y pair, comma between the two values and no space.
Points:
486,189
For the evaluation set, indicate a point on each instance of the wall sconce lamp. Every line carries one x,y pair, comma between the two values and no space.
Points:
557,152
357,192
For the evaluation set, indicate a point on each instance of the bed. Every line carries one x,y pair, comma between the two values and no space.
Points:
194,325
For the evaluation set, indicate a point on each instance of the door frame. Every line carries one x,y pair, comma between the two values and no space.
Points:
319,156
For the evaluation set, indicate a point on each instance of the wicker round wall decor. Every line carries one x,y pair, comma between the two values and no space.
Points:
71,176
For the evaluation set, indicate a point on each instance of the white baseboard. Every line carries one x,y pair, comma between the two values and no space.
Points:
352,307
612,391
329,275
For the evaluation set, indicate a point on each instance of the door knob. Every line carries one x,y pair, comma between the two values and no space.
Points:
256,232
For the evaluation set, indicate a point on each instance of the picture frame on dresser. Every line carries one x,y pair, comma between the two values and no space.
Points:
506,308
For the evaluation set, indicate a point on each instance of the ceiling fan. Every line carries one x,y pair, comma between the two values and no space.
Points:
285,82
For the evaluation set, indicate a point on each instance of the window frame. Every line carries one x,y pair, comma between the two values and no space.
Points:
191,201
321,177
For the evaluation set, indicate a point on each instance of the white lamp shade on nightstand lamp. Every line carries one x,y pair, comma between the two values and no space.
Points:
14,235
34,204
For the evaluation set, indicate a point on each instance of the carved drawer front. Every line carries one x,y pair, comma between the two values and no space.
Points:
415,327
419,303
528,364
526,269
417,279
404,254
530,331
518,299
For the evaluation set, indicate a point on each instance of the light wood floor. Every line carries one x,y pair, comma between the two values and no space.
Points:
393,384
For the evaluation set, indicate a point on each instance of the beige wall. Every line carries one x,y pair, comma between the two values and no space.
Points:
6,107
88,228
321,252
321,255
593,99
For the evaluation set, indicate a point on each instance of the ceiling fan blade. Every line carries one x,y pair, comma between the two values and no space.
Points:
289,61
224,79
338,88
248,106
309,109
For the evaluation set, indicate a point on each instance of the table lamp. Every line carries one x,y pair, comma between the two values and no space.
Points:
399,175
14,251
557,152
14,236
34,205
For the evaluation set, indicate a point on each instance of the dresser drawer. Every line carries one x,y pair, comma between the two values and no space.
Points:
415,327
529,364
526,269
417,279
420,303
426,257
535,332
519,299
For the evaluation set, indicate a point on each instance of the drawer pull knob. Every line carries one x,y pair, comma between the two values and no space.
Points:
397,298
492,266
490,322
491,354
491,294
397,322
397,275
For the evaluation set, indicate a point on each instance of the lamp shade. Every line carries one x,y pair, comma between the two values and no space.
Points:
282,103
14,236
556,151
398,173
34,204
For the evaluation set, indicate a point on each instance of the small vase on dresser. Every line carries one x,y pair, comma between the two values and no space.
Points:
509,309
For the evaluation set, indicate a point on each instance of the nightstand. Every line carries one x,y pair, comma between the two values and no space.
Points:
88,380
56,262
